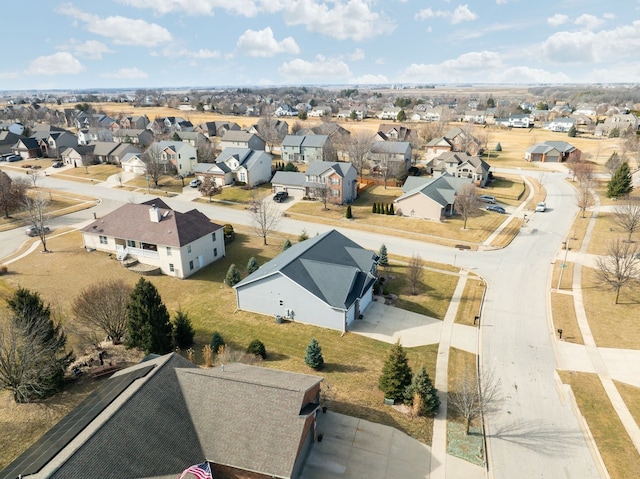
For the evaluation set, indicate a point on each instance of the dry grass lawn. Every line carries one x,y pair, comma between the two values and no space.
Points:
471,302
96,172
564,317
613,326
631,396
615,446
352,363
579,229
459,362
567,274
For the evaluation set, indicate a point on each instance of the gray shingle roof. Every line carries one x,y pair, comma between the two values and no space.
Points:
131,221
330,266
442,189
288,178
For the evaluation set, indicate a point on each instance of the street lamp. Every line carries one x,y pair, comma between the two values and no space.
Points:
564,262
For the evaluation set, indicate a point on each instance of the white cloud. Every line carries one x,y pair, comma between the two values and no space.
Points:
322,69
499,2
590,22
202,53
91,49
121,30
126,74
61,63
247,8
557,20
263,44
341,19
357,55
460,14
569,47
370,79
469,66
524,74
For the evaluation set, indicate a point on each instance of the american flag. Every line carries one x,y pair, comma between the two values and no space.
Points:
201,471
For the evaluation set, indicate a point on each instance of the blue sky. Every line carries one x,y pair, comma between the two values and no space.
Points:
174,43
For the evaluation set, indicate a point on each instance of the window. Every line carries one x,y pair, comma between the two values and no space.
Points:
103,239
215,252
131,243
169,251
188,248
190,264
335,181
171,267
335,193
213,236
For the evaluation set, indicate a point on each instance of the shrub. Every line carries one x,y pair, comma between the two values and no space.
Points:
3,270
392,209
396,374
216,342
286,245
313,357
303,236
422,395
252,265
233,276
348,214
256,347
383,259
228,229
183,331
374,208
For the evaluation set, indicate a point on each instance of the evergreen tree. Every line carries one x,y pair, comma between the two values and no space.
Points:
286,245
392,210
422,388
252,265
183,332
216,342
572,132
348,213
233,275
149,325
621,182
374,208
498,147
387,210
383,259
396,374
256,347
41,374
303,236
401,116
313,357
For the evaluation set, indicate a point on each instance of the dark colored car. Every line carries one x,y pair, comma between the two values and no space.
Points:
58,164
280,196
496,209
13,158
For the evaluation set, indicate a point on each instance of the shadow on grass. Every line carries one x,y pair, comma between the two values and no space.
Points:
342,368
364,412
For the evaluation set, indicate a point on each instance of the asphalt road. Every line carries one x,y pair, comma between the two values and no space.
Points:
534,433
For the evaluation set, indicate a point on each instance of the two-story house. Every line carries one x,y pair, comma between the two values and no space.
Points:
251,167
241,139
305,148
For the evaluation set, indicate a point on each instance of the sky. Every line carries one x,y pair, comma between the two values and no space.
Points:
214,43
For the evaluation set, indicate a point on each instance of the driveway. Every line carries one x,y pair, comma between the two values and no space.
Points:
353,448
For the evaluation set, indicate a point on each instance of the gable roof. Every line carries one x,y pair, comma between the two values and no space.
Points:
317,168
442,189
547,146
330,266
238,135
132,221
178,414
392,147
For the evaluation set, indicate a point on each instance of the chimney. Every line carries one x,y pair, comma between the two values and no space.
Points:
154,214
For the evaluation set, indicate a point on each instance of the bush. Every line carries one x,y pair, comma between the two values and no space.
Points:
252,265
374,208
3,270
303,236
183,332
233,276
256,347
396,374
286,245
313,357
216,342
228,229
348,214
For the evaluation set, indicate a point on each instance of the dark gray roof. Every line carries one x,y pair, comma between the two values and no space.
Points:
442,189
288,178
330,266
394,147
315,141
319,167
132,221
246,417
292,140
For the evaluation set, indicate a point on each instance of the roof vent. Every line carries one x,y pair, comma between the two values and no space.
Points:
154,214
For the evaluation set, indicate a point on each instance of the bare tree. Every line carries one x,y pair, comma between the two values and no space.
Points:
267,126
34,176
620,267
415,272
206,152
265,217
627,216
103,306
614,162
472,397
386,163
154,164
209,187
321,192
36,209
357,148
12,192
466,201
585,199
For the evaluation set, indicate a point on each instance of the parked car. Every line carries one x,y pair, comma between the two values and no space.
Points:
541,207
13,158
487,199
496,209
280,196
33,231
195,183
58,164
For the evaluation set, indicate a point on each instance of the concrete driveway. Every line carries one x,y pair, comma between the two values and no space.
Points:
353,448
388,324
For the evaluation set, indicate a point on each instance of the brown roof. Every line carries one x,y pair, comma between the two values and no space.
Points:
132,221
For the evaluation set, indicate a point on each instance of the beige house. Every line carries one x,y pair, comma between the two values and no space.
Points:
429,198
179,244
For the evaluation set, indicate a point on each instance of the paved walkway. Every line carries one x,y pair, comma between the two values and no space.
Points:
591,358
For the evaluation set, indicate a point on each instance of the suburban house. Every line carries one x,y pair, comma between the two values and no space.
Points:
81,155
241,139
27,148
134,122
560,124
522,120
623,122
179,244
285,110
216,128
305,148
57,142
133,163
548,151
181,155
252,167
339,180
155,419
389,112
280,129
395,131
429,198
7,140
460,165
384,153
136,136
462,140
326,281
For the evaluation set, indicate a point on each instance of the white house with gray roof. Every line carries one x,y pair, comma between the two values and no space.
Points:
325,281
237,165
340,179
